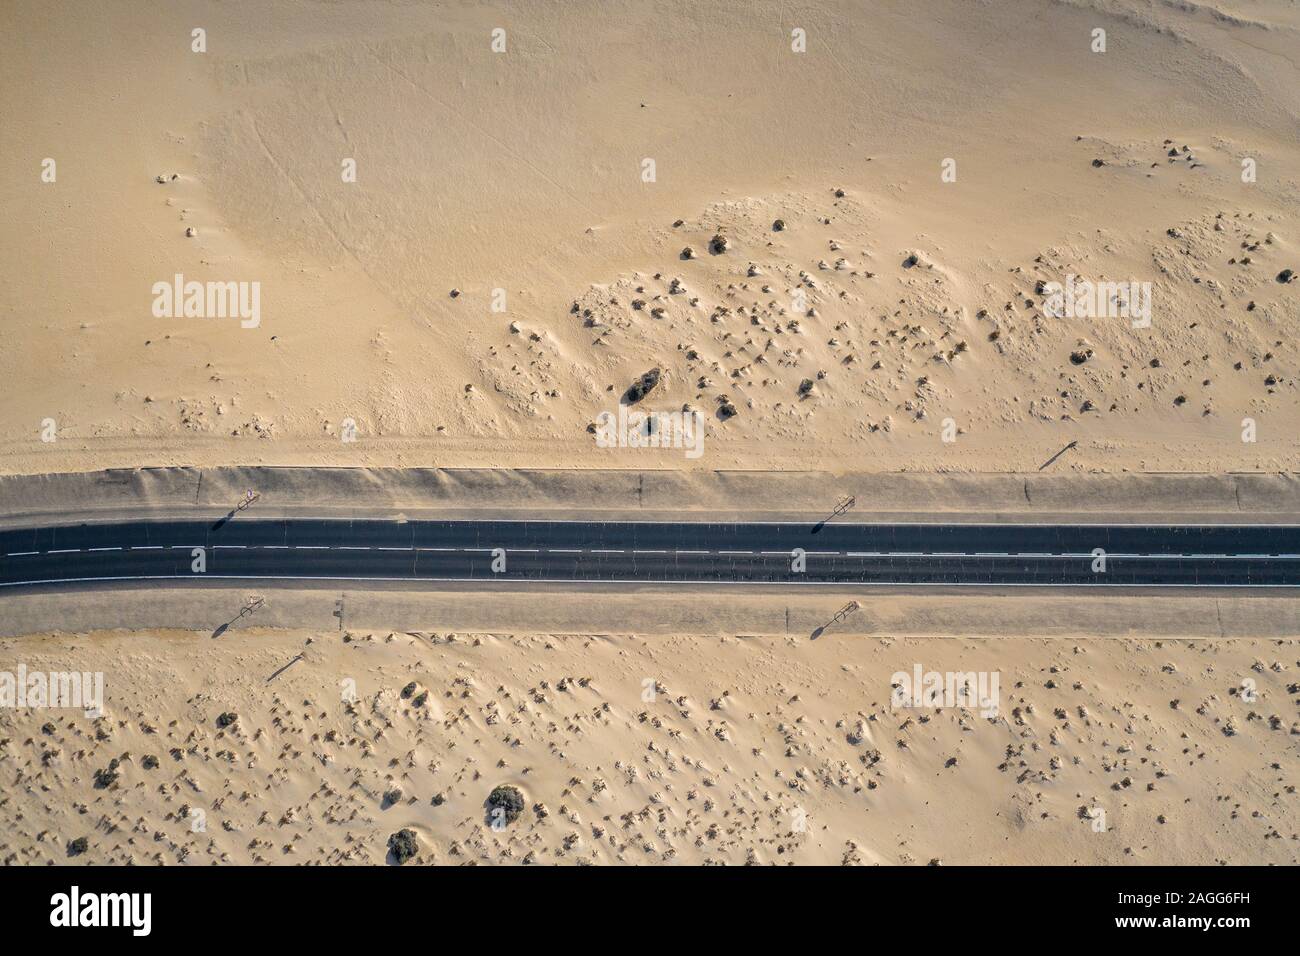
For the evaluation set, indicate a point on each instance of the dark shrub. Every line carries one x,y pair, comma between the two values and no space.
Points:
509,800
108,776
403,845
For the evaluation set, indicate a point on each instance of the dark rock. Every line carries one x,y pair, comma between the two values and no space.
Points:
642,387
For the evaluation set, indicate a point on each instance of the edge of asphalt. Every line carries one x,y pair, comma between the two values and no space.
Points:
549,494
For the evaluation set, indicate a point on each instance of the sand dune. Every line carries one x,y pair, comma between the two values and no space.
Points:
517,180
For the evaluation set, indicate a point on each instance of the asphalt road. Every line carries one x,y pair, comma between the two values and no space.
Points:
245,547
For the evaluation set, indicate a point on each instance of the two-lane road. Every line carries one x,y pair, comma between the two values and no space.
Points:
247,547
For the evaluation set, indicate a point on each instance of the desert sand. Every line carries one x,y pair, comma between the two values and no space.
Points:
686,749
503,267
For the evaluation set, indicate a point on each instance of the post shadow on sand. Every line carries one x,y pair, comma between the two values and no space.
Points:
294,660
1057,455
846,503
251,607
840,616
